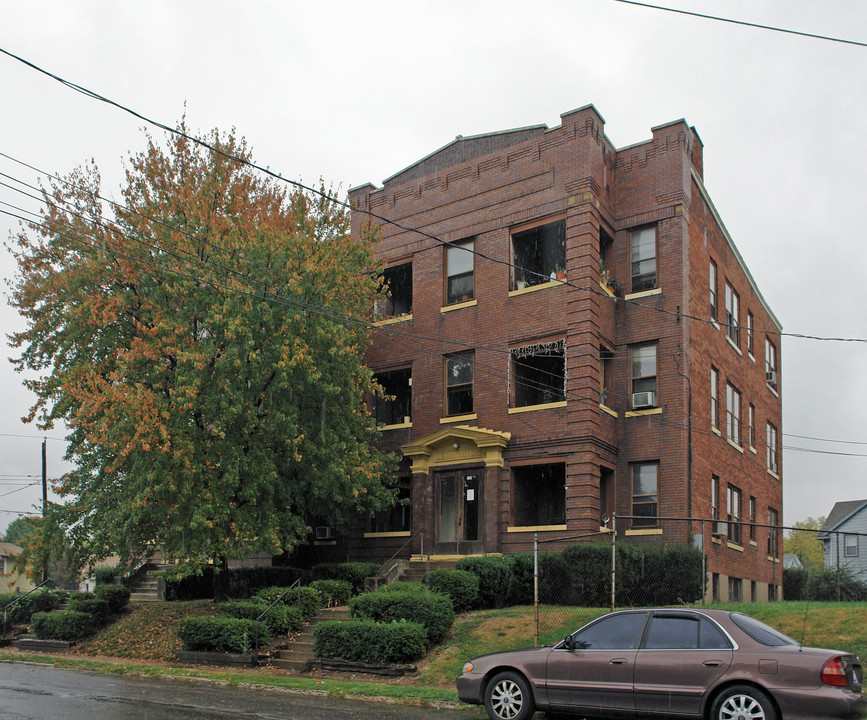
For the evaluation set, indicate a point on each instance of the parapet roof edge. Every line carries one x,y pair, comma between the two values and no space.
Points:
457,139
703,190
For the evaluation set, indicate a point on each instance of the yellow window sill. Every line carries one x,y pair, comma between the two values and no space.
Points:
533,408
643,294
644,531
735,445
398,533
458,418
396,426
393,320
639,413
606,409
535,528
458,306
534,288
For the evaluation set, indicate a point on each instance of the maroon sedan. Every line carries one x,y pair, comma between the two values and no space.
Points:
709,664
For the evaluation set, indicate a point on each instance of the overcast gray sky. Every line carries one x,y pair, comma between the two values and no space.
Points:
353,92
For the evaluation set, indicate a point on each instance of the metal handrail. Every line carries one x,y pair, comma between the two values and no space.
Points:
19,599
267,609
399,550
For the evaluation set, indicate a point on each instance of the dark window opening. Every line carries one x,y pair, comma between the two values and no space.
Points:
645,496
733,513
397,518
538,254
396,407
606,374
606,495
459,264
459,384
539,373
643,259
539,495
397,281
606,260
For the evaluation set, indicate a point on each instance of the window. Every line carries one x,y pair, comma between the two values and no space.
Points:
733,414
714,498
850,543
459,263
733,513
751,323
772,447
397,518
539,495
397,281
684,632
733,330
643,259
714,398
736,589
770,362
643,369
752,518
539,373
751,425
614,632
713,298
606,377
773,521
538,254
396,407
459,384
645,484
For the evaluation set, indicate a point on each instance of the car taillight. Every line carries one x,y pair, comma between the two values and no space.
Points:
834,673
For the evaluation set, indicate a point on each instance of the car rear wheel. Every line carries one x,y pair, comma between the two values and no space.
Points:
743,702
508,697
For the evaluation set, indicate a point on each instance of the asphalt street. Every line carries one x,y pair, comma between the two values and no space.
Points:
37,692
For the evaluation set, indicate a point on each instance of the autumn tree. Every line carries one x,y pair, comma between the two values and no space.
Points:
196,340
802,539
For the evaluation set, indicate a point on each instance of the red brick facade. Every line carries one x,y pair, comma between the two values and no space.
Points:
518,450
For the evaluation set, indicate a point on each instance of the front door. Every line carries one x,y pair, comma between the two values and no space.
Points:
458,512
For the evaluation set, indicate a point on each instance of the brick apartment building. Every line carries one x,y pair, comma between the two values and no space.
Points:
573,335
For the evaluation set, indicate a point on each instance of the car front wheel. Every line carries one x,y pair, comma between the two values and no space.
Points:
508,697
743,702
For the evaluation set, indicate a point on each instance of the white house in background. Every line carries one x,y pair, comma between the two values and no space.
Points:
844,536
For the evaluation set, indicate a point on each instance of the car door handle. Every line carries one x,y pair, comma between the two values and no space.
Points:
617,661
712,663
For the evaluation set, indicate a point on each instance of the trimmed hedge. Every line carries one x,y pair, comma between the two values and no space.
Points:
40,601
221,634
495,578
310,603
68,625
404,586
280,620
117,596
86,602
369,641
354,573
333,593
432,610
460,585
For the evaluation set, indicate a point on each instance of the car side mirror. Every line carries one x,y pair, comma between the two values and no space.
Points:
567,642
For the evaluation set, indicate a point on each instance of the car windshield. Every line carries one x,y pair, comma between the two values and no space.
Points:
760,632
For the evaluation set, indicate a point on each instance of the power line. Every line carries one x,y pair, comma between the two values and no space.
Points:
216,149
732,21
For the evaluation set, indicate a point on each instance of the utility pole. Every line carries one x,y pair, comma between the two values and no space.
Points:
44,508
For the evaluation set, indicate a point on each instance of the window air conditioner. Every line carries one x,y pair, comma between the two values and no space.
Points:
324,532
771,377
643,400
720,529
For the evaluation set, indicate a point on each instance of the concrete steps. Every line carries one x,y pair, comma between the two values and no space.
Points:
300,654
143,586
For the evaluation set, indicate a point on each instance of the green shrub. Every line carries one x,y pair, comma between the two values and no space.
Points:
354,573
306,599
829,584
105,575
39,601
495,578
369,641
432,610
334,593
62,625
460,585
117,596
404,586
221,634
280,620
795,583
88,603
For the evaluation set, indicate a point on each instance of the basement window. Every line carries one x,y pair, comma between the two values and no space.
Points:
396,407
397,283
538,254
539,495
539,373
